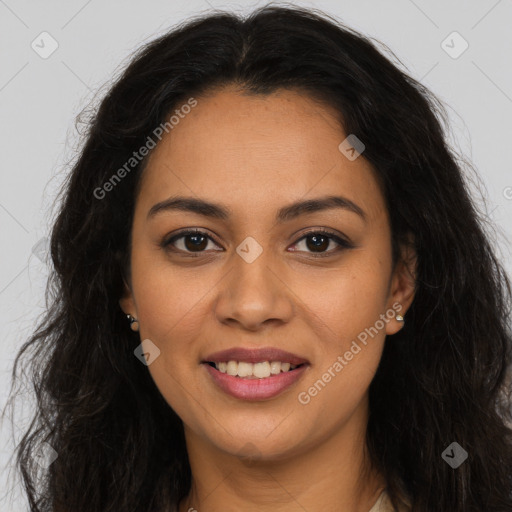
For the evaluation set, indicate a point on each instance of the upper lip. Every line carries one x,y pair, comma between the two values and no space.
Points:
255,355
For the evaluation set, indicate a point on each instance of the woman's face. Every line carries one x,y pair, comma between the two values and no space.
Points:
252,279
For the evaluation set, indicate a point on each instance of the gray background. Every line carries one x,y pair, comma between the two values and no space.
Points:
39,99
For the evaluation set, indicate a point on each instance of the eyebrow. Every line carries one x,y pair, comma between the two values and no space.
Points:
287,213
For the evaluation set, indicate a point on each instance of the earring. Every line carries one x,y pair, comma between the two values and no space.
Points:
132,322
400,318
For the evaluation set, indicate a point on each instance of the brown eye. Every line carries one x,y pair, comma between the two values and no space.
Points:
192,241
317,243
195,242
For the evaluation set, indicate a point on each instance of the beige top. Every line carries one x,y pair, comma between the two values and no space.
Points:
383,504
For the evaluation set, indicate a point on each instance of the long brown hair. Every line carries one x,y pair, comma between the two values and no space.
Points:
441,379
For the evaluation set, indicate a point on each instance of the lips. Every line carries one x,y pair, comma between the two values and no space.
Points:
255,389
252,387
255,356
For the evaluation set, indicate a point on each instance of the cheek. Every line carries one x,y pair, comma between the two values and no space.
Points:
351,297
169,298
170,308
347,313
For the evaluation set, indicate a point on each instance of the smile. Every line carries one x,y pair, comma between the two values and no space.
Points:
258,381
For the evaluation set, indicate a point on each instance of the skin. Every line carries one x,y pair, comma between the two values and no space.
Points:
254,155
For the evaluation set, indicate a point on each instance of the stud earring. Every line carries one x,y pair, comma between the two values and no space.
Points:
400,318
133,321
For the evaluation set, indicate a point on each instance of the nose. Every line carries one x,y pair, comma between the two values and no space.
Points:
254,295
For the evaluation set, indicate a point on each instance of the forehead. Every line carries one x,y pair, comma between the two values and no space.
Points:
254,150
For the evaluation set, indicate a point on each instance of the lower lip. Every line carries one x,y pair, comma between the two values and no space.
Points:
255,389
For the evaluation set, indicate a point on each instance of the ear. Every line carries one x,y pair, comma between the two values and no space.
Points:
126,302
403,285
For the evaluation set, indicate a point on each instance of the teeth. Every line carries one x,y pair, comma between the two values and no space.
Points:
231,368
260,370
244,369
275,367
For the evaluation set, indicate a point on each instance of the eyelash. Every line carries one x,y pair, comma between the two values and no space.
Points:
342,244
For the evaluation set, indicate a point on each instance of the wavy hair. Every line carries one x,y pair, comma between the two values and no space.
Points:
443,378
